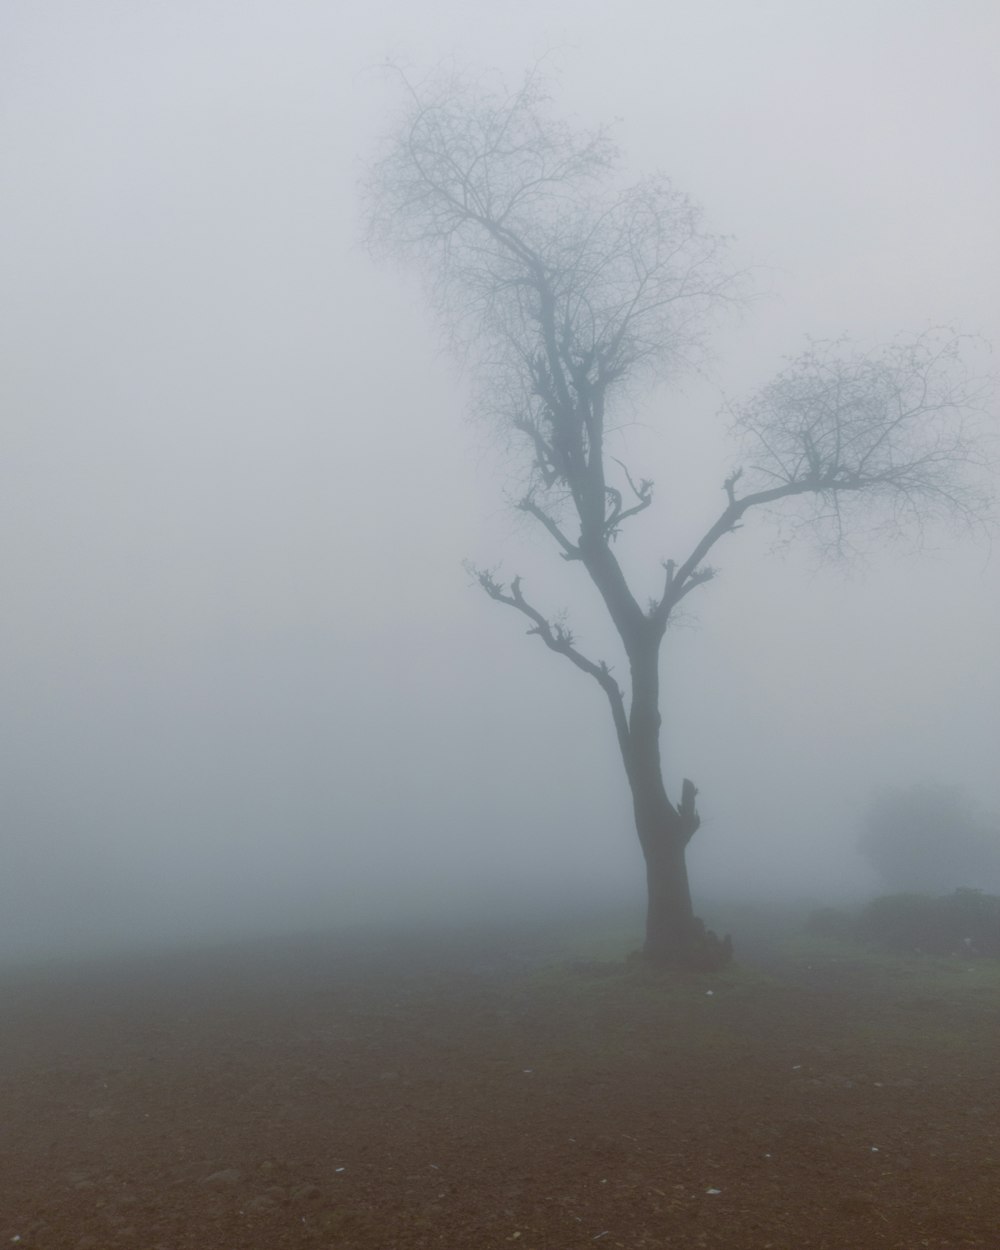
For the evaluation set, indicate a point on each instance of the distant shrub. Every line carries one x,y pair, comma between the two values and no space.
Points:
831,922
927,839
966,922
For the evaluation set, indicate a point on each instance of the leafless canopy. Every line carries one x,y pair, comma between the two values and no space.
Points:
565,287
897,433
563,284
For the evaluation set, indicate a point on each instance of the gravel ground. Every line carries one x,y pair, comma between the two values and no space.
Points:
450,1091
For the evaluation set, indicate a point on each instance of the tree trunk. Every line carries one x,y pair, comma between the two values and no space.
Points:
674,935
670,919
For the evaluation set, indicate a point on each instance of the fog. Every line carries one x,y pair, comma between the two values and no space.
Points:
246,683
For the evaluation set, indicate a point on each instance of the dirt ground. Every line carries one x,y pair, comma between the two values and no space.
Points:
463,1091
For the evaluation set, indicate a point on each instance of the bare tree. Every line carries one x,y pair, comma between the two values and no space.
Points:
567,293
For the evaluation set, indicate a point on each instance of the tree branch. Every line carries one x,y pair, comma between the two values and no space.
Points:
682,580
559,639
570,550
643,493
690,820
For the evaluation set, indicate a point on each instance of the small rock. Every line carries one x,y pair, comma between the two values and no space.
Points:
307,1193
261,1203
223,1179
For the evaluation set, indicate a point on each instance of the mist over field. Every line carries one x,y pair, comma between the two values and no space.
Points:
246,684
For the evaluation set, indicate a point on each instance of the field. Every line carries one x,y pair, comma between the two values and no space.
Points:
477,1089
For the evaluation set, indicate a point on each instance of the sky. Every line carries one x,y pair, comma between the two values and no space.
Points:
244,678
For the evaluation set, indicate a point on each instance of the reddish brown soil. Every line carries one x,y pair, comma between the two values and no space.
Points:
433,1095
